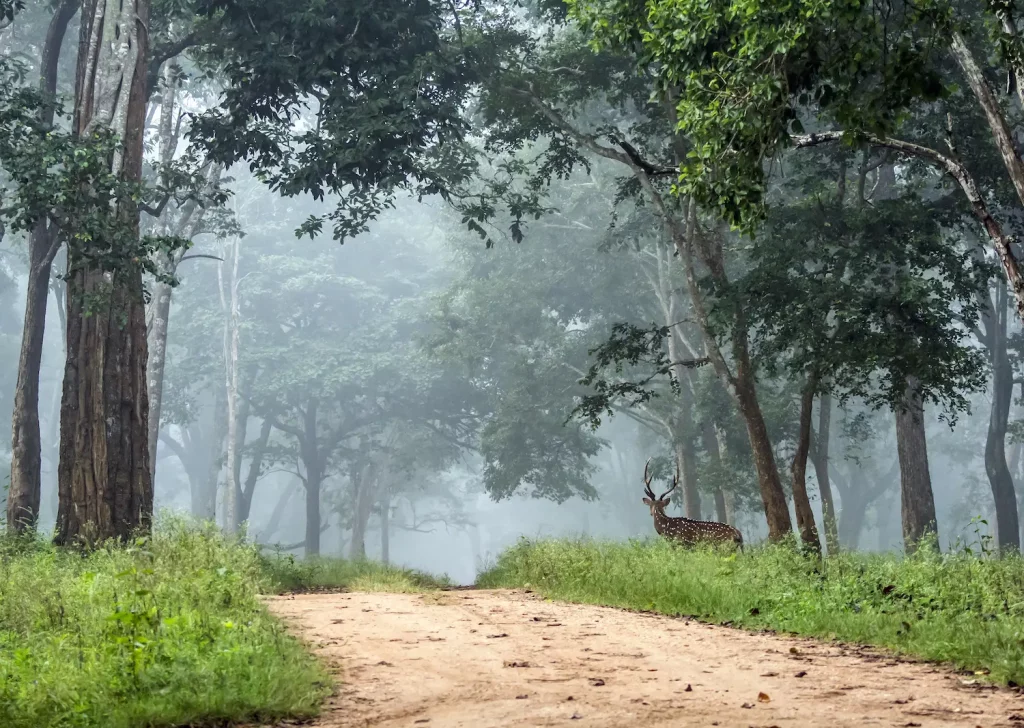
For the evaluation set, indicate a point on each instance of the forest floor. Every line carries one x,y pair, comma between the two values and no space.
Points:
490,658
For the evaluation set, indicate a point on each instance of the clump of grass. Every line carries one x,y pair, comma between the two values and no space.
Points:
168,631
950,607
288,574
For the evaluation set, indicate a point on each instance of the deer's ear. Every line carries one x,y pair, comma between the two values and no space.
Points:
665,502
648,502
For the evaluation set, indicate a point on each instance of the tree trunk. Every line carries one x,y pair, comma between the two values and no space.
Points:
772,496
802,503
855,508
276,515
311,459
241,429
385,527
161,296
207,499
710,443
741,384
312,539
819,458
685,451
105,483
999,476
229,305
161,299
25,489
363,503
259,451
918,503
686,461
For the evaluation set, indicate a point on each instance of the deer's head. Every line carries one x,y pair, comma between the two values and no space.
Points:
657,504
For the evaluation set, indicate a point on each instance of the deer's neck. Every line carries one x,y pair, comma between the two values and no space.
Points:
661,521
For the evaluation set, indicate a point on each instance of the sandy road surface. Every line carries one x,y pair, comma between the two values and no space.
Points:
483,659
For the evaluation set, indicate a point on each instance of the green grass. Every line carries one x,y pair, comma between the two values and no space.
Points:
168,632
289,574
956,607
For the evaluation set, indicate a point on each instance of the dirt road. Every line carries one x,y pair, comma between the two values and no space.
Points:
483,659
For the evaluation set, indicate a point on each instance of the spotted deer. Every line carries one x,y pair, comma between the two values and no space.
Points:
685,531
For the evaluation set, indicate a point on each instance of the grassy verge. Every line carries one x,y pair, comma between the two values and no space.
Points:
167,632
288,574
956,608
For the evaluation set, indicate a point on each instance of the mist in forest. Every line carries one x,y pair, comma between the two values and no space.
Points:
397,300
502,361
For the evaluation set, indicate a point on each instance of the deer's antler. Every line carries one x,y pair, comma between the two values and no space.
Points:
675,482
647,481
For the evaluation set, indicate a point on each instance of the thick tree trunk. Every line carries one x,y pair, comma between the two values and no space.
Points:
105,481
802,503
819,457
918,502
999,476
25,489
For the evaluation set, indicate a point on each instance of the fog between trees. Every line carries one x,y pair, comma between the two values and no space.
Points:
509,302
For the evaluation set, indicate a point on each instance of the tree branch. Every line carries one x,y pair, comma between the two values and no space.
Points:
1002,243
162,54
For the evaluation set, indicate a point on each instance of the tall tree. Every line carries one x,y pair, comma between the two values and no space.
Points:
105,482
43,244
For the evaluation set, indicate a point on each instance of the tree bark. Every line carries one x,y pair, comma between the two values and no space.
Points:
917,500
819,458
802,503
1000,479
104,479
25,489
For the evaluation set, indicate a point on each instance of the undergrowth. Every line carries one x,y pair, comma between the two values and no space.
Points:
951,607
289,574
168,631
